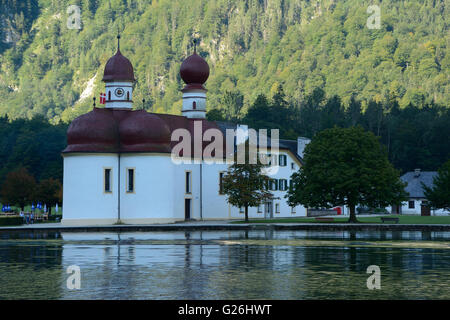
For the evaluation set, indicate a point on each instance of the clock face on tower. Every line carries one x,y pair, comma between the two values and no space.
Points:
119,92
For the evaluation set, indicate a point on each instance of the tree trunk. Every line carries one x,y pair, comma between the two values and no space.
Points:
352,218
50,210
246,213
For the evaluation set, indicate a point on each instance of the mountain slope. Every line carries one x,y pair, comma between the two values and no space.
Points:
252,47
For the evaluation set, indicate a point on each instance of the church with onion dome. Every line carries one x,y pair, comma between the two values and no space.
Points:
119,162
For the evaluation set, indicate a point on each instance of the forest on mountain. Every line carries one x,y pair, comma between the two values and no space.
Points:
298,66
252,47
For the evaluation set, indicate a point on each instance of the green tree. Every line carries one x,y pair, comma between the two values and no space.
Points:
215,115
19,188
439,194
345,166
48,191
245,184
232,103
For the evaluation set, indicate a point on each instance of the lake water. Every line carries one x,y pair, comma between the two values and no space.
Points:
225,265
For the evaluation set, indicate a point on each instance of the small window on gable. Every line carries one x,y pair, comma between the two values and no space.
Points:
109,95
194,105
411,204
128,95
292,166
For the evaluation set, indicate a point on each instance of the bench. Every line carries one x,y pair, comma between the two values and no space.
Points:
324,219
383,219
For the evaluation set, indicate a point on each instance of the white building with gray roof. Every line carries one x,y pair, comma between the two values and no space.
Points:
417,202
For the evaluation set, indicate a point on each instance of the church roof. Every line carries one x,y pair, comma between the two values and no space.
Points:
194,71
122,130
118,68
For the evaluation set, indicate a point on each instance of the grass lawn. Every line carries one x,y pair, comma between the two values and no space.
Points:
403,219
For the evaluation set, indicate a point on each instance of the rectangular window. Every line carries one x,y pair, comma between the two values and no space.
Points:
273,160
107,180
130,180
411,204
273,185
283,184
241,210
277,208
188,182
292,210
282,160
292,166
221,182
260,208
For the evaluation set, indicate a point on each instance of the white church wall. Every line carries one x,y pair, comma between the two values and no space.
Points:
83,192
215,205
152,199
179,190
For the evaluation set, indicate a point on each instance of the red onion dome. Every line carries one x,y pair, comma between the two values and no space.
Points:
194,70
141,131
118,68
95,131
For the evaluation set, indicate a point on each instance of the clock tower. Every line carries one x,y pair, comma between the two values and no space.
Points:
118,77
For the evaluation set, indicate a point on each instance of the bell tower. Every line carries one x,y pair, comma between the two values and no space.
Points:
118,77
194,71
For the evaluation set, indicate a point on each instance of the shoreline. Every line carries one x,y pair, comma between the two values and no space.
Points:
202,226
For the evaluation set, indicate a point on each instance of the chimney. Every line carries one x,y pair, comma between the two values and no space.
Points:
416,173
301,144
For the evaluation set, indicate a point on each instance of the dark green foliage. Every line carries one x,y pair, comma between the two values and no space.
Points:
18,189
346,166
252,47
33,144
439,194
48,191
11,221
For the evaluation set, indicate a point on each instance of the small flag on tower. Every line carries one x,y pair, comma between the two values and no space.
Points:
102,98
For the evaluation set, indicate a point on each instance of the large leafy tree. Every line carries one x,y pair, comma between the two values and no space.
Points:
245,184
19,188
439,194
48,191
346,166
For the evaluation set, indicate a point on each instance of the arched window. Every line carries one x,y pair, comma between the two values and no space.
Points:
194,105
109,95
